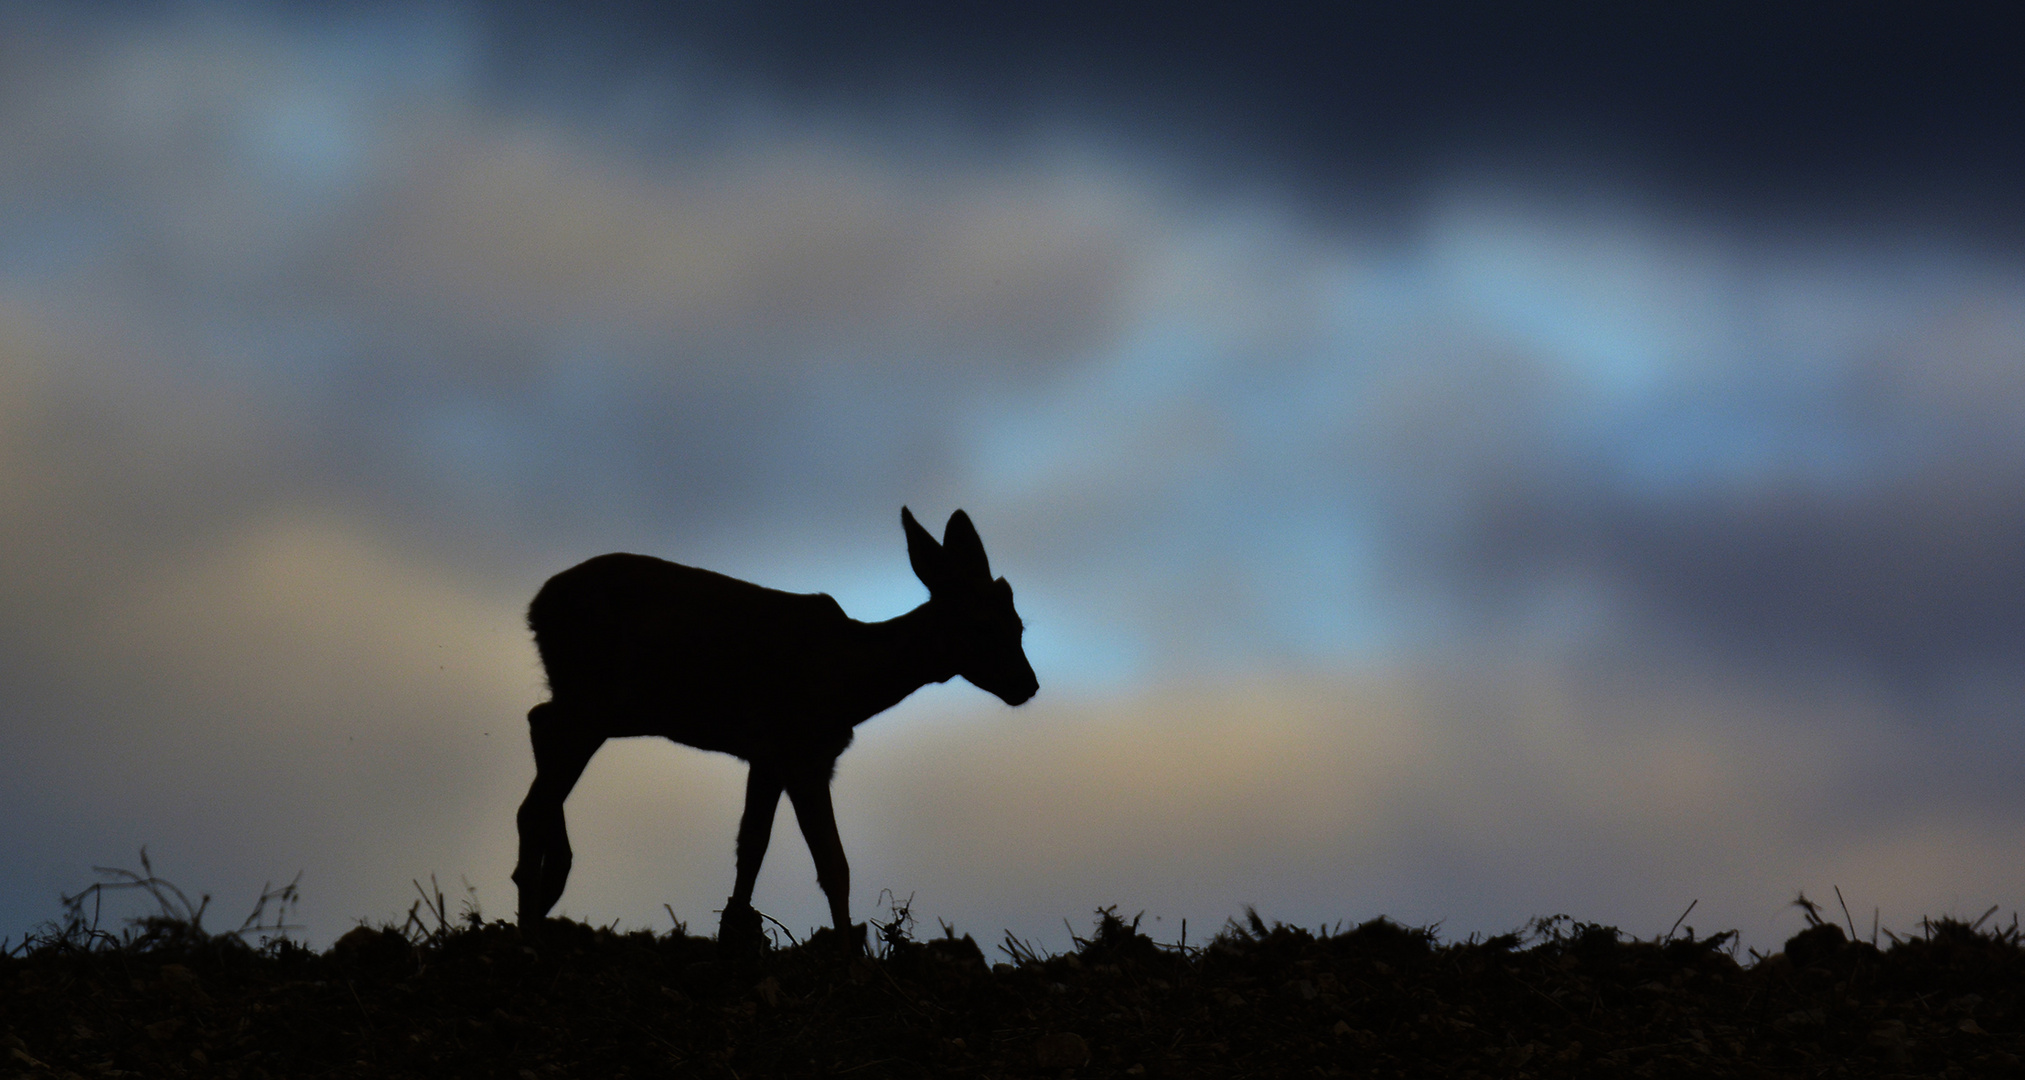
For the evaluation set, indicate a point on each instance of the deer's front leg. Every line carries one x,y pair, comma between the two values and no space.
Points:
811,794
739,926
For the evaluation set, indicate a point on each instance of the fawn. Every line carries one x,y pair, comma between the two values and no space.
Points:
635,645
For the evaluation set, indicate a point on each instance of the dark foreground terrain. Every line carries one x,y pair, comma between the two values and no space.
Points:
479,999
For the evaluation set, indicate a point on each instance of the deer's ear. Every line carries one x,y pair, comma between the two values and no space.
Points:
964,550
930,563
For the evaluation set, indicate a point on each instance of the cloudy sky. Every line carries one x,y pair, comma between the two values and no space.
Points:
1459,462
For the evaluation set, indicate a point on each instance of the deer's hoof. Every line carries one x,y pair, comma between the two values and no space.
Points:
739,933
850,943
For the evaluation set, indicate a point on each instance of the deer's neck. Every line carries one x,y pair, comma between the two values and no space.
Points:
896,658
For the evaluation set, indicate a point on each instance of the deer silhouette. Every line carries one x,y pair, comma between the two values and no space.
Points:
635,645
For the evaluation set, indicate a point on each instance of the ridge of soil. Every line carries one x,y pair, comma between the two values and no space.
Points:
482,999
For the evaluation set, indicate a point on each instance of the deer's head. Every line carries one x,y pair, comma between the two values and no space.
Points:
975,611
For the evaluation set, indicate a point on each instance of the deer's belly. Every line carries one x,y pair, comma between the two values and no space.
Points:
749,735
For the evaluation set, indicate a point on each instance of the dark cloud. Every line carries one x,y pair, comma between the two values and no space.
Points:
1779,107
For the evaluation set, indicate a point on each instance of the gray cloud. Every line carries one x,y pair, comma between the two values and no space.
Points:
1867,518
402,288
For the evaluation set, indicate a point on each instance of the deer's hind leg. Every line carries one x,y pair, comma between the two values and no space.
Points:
562,747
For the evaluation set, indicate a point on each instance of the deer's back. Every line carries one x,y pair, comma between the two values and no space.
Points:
666,649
